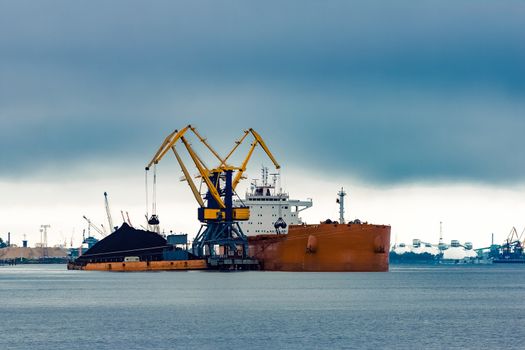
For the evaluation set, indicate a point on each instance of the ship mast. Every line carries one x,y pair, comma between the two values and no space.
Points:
341,201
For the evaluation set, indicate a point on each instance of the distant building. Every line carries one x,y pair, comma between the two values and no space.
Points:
423,252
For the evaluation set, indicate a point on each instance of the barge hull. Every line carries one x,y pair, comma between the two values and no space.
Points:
166,265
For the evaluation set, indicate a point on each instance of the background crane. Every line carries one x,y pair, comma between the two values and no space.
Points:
99,231
513,246
43,230
108,213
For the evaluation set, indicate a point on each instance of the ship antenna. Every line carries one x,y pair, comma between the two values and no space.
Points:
341,201
279,179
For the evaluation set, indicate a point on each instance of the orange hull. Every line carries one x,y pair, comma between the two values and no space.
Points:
324,247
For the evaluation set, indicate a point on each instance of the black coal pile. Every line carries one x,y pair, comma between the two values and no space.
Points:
126,241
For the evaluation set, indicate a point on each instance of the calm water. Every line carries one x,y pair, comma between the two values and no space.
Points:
48,307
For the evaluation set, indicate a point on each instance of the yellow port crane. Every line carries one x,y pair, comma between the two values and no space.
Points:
216,211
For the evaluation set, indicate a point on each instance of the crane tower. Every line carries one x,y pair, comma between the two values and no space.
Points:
43,231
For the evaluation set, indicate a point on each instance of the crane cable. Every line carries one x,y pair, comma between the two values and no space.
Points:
146,186
154,205
154,219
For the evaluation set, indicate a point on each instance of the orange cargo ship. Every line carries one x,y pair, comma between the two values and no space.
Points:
280,241
262,231
324,247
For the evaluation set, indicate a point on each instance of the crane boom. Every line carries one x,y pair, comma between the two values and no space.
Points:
190,182
265,148
108,212
258,141
167,144
237,143
205,174
99,231
203,140
129,221
161,148
513,235
238,177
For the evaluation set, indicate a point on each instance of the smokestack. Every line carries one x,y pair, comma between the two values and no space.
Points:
8,239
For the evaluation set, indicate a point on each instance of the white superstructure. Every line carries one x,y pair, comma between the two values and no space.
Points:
271,210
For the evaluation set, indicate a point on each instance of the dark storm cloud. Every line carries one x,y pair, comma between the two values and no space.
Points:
391,92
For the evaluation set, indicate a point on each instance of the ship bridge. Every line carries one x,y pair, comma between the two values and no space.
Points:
272,210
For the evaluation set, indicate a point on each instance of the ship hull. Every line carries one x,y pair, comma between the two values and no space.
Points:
324,247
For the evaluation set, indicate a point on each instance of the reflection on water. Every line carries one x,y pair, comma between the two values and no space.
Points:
48,307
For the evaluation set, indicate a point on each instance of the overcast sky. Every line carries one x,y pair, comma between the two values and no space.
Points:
377,96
